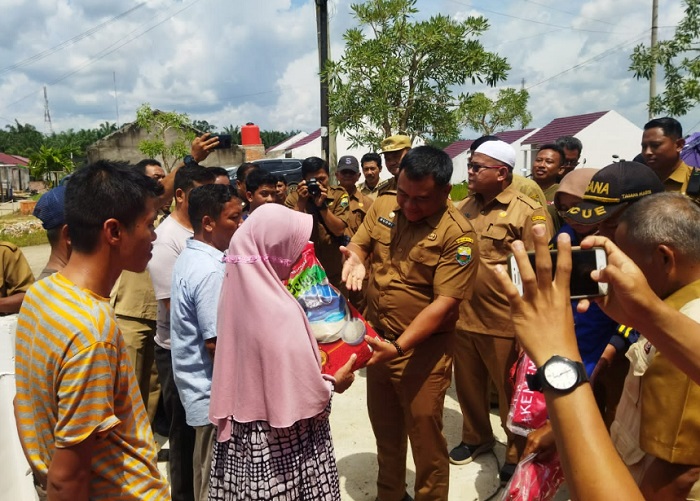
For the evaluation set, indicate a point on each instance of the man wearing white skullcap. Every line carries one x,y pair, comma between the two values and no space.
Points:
484,345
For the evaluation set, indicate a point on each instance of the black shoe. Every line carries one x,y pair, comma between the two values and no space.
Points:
465,454
506,473
164,455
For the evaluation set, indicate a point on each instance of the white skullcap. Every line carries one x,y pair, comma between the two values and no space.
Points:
498,150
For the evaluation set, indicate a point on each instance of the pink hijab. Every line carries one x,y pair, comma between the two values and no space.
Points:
267,364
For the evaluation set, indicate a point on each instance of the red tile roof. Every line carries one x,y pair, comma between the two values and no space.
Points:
509,136
13,160
315,134
566,126
458,147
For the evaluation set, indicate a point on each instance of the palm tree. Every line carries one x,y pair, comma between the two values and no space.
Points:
51,159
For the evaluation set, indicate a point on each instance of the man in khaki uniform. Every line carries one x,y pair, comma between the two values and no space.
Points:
371,164
394,148
329,205
136,310
348,173
485,345
662,142
660,234
15,278
423,261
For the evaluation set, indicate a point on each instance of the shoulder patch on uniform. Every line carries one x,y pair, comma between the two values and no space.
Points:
465,240
533,204
539,219
9,245
386,222
464,255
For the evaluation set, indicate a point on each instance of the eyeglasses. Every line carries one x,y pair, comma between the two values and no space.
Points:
475,168
570,163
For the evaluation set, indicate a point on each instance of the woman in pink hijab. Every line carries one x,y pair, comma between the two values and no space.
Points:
269,400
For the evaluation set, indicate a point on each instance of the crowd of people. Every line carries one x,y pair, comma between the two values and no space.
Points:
163,309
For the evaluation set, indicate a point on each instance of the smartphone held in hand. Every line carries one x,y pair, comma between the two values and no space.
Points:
583,262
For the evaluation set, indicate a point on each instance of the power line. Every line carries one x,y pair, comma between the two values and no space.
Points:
594,58
68,43
536,21
107,51
568,12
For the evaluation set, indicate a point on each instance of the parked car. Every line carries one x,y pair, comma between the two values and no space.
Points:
290,168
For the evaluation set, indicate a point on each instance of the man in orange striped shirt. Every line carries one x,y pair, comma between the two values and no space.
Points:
81,420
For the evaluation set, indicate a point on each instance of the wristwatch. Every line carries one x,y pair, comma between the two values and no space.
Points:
558,374
189,161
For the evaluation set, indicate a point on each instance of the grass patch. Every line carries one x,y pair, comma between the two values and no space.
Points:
459,191
22,230
26,239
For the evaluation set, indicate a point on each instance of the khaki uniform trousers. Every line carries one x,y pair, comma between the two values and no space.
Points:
405,398
479,358
139,336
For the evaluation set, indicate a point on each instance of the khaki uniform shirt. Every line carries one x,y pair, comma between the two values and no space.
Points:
16,275
413,263
670,400
372,193
508,217
679,179
530,188
359,204
133,296
551,209
326,244
389,187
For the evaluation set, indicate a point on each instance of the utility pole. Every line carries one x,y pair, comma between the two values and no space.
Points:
116,100
327,142
47,113
654,34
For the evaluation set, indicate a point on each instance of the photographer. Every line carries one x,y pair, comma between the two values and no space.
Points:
330,206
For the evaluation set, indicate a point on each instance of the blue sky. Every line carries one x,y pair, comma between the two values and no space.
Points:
256,60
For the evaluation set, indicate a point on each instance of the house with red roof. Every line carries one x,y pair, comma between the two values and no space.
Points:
14,174
606,136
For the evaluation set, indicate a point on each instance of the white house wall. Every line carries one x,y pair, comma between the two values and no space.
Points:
612,134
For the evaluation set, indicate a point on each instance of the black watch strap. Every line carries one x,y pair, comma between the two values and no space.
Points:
189,160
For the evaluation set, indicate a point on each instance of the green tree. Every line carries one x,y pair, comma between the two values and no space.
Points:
679,58
204,126
489,116
398,74
234,132
170,134
20,139
272,137
48,159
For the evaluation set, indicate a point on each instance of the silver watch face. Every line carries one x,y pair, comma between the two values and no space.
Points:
560,375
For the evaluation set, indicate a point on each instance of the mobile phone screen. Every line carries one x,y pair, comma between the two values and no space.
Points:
583,262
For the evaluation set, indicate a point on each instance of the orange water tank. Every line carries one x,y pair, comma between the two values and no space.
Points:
250,134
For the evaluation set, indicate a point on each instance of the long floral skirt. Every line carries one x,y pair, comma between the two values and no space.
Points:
285,464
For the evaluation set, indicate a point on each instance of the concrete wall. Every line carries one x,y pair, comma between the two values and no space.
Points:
17,175
123,145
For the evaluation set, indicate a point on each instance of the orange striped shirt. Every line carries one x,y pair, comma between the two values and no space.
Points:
74,378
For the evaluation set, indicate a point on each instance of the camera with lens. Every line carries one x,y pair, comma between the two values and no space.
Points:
313,187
